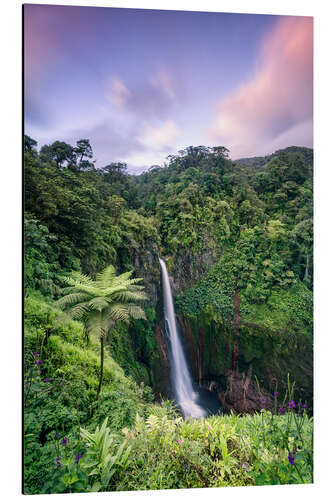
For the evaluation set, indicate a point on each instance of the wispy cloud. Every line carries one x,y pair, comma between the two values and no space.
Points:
117,93
159,138
145,110
164,81
276,104
152,97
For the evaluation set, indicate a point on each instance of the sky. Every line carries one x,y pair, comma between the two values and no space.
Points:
143,84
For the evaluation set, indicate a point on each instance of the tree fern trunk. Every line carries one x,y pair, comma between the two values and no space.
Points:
101,370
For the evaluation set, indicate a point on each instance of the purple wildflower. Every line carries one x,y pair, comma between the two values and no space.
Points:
64,441
281,409
40,372
58,463
56,435
276,394
305,405
291,405
179,441
39,362
299,405
262,400
35,354
246,466
47,380
262,407
77,458
291,458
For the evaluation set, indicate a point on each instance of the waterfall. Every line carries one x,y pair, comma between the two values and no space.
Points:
185,395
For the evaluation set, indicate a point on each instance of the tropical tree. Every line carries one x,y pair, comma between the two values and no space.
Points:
84,150
29,144
58,151
102,303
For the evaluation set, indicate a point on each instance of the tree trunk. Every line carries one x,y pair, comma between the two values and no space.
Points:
236,331
101,370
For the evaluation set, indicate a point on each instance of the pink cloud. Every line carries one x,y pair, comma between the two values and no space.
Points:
277,100
117,93
164,80
41,48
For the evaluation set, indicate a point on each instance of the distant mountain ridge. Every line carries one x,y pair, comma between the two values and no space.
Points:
260,161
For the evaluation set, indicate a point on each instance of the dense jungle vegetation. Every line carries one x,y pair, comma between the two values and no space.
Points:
237,238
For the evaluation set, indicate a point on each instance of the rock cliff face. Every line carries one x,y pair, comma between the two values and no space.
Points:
262,354
147,266
187,269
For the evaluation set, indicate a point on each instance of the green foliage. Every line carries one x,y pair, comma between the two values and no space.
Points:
229,231
60,386
41,261
102,460
102,303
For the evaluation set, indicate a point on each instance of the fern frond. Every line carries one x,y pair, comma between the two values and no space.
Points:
82,278
105,277
134,288
71,299
128,296
98,303
117,312
94,326
68,289
126,285
121,278
91,290
135,311
79,311
77,278
103,302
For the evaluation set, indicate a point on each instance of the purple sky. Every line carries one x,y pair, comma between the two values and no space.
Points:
142,84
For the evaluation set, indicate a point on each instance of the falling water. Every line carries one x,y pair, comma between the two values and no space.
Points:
185,395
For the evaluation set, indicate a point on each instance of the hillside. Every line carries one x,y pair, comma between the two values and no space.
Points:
237,238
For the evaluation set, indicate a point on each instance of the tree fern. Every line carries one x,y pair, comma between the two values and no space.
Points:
102,303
